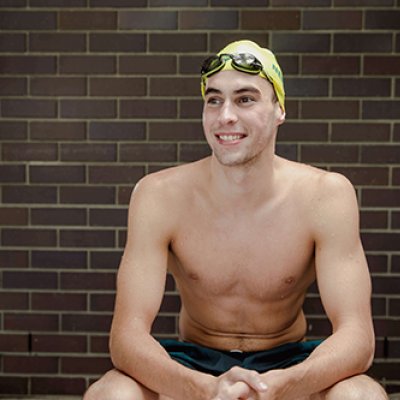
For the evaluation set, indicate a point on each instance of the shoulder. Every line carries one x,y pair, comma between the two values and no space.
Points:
170,185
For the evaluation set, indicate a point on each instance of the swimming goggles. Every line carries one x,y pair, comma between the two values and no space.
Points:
244,62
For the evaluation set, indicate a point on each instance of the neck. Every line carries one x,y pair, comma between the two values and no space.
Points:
243,184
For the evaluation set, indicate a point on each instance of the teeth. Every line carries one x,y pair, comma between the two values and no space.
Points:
230,137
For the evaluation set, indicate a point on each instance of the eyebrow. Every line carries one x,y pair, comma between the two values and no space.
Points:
245,89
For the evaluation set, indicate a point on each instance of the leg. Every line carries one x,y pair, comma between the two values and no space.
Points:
360,387
114,385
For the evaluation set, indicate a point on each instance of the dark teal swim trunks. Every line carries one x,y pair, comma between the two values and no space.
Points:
216,362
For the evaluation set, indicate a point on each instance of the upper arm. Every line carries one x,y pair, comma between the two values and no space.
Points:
341,268
143,268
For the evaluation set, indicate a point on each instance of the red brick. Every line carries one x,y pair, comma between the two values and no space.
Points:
378,109
30,364
381,197
382,19
108,217
13,130
102,302
87,20
45,343
58,3
147,64
59,301
29,152
360,132
30,322
58,86
164,324
57,130
301,42
88,108
117,3
14,259
58,216
87,238
292,131
99,344
174,87
28,237
174,42
176,130
151,20
171,304
13,342
218,40
330,109
118,86
58,259
88,152
13,301
329,153
191,108
105,259
91,365
297,3
29,194
80,65
148,108
380,154
141,152
13,384
395,220
86,323
276,20
58,385
365,175
377,263
28,20
340,20
117,42
361,87
351,3
307,87
118,130
220,19
189,152
87,281
13,86
382,241
115,174
57,42
330,65
382,65
57,174
87,194
13,216
12,173
374,219
12,42
29,280
28,108
363,42
27,64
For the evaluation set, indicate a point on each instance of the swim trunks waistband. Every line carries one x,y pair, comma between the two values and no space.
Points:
216,362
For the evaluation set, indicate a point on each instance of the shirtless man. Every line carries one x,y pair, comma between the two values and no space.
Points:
244,233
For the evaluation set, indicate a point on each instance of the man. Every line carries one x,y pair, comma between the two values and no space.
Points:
244,233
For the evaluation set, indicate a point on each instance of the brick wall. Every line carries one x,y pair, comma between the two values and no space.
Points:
97,93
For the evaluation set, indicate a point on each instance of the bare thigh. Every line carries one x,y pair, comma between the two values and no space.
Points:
115,385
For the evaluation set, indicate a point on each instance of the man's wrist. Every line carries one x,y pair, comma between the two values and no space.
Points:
201,386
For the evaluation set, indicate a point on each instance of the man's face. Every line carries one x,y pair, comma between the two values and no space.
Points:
240,117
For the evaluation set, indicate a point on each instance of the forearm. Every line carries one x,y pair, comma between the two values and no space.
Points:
141,357
345,353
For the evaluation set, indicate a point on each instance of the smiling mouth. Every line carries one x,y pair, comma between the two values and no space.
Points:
230,137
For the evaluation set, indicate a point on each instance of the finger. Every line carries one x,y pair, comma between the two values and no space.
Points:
252,378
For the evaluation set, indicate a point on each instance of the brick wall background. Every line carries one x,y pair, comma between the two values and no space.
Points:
97,93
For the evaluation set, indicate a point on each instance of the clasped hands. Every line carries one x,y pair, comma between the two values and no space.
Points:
243,384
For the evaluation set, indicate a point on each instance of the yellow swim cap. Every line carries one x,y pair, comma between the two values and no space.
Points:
271,69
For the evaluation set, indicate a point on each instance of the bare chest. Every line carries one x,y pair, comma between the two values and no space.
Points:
264,256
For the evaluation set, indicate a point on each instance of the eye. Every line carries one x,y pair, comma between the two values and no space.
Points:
246,99
214,101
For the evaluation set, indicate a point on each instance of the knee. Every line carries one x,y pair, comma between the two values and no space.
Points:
357,388
107,389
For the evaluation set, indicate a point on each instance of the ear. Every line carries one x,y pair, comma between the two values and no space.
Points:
280,114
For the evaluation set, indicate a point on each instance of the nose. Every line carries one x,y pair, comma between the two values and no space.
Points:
227,114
